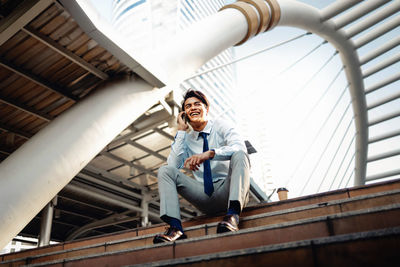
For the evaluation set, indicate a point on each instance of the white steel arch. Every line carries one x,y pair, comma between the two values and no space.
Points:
303,16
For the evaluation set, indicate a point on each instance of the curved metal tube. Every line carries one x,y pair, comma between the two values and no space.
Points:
306,17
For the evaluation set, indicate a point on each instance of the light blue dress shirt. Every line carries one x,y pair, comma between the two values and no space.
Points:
223,138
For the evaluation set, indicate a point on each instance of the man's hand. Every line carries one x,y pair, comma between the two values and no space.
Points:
182,125
193,162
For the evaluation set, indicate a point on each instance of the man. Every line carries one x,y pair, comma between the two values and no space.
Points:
215,153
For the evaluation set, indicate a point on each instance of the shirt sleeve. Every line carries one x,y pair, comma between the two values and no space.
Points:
232,139
178,152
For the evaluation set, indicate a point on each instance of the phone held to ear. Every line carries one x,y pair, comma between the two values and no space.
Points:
184,117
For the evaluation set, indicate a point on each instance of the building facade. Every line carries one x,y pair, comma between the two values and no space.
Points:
148,24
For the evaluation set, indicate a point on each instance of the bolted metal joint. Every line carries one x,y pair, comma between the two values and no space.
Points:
261,15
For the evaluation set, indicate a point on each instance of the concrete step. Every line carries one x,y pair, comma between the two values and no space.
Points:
320,199
324,197
280,216
117,254
371,248
276,211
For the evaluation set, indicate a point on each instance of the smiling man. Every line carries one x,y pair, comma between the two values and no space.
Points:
215,153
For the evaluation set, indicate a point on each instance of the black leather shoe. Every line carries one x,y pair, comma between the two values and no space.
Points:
171,234
228,224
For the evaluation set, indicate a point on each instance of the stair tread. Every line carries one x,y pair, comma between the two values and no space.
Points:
381,233
246,222
209,242
340,197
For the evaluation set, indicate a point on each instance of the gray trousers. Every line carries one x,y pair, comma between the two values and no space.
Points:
235,187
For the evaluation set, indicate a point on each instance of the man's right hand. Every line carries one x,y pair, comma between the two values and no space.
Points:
182,125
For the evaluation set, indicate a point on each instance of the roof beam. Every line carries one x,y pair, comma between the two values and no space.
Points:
388,80
112,220
90,177
25,108
384,136
63,210
155,120
135,139
138,159
101,32
20,133
372,20
95,180
385,155
38,217
5,153
20,17
383,175
105,174
145,149
65,52
126,162
160,131
382,65
384,101
336,8
394,42
86,217
384,118
358,12
36,79
111,198
376,32
83,203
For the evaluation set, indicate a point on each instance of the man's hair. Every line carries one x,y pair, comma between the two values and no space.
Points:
194,93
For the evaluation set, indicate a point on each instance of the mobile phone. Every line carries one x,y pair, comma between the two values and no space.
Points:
185,118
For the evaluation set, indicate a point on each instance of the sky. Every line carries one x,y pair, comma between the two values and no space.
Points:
288,142
282,121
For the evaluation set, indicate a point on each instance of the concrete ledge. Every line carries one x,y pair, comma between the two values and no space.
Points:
323,226
272,220
312,244
316,199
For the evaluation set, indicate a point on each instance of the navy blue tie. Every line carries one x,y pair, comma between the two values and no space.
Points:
208,184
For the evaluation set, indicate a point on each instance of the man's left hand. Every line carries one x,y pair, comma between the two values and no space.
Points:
193,162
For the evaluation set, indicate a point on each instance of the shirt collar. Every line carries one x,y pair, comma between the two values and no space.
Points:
206,129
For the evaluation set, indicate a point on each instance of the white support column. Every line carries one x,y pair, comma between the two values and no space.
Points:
46,223
145,198
306,17
145,209
38,170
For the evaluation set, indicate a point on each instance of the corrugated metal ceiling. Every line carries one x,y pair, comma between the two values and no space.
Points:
48,64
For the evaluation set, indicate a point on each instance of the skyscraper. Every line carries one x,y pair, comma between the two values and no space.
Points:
148,24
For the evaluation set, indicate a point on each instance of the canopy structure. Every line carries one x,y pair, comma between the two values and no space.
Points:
84,124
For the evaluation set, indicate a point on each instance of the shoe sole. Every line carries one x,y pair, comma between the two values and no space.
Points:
224,228
158,239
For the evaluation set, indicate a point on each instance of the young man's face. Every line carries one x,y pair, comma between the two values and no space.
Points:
195,110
